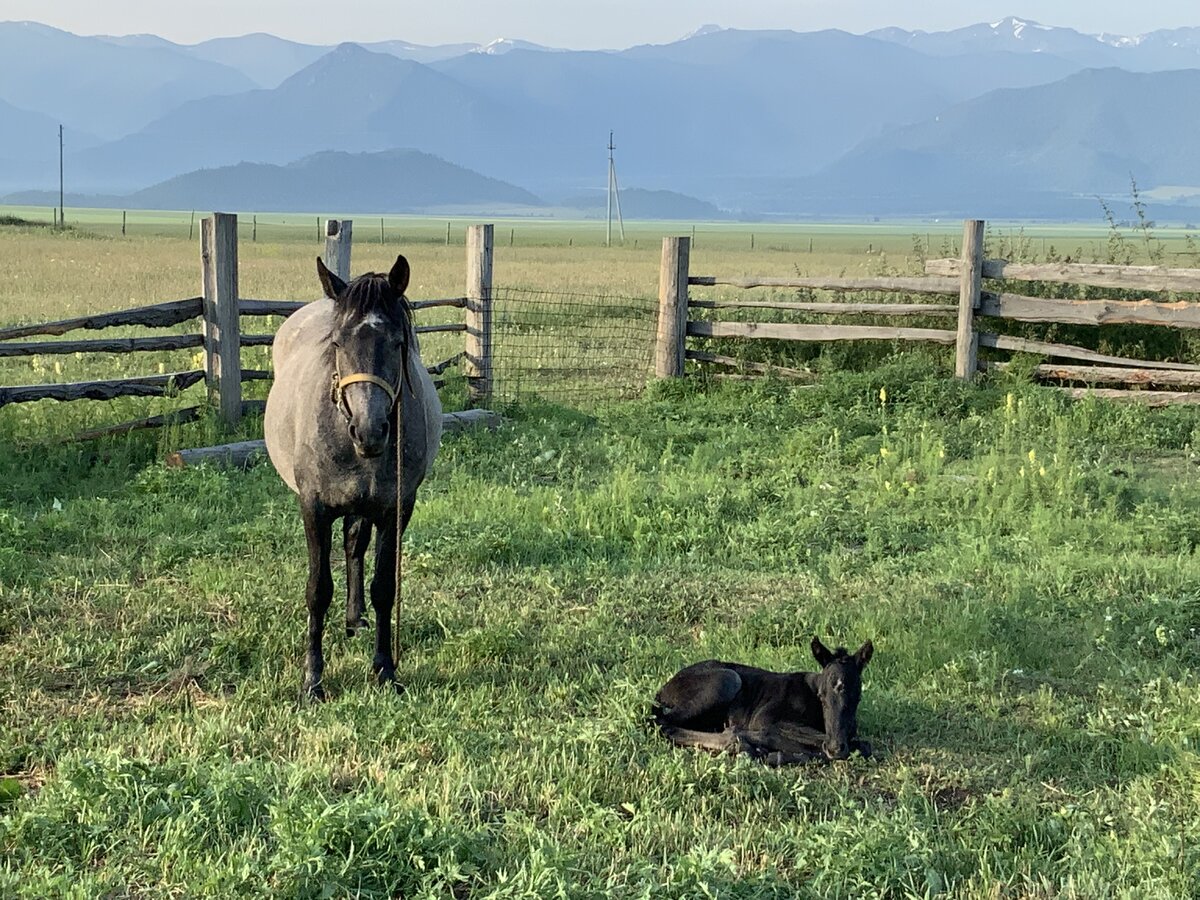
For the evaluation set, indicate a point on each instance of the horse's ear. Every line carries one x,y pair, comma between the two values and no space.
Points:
330,283
864,653
398,277
822,654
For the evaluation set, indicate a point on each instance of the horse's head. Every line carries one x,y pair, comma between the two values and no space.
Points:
370,338
839,686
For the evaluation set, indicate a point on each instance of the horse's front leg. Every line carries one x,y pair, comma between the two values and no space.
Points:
726,741
383,595
318,526
356,535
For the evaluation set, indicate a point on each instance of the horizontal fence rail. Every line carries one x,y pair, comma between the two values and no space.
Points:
141,386
1134,278
781,331
1109,374
158,315
834,309
220,337
1070,351
138,386
912,285
1179,314
963,277
745,365
101,345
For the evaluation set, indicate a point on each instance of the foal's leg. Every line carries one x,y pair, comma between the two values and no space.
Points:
318,525
718,741
700,693
356,534
784,743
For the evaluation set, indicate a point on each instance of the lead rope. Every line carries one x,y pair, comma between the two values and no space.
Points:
399,401
399,508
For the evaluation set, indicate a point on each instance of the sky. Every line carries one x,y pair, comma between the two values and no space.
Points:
573,24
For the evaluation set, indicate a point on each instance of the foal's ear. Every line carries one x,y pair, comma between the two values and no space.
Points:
822,654
863,654
398,277
330,283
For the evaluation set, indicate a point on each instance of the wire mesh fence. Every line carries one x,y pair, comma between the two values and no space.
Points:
570,348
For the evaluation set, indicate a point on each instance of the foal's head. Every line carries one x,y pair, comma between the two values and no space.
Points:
839,686
370,344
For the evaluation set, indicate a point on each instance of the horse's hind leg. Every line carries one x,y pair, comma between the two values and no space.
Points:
318,526
356,534
697,695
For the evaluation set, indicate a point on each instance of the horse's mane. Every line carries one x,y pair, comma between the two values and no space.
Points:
372,293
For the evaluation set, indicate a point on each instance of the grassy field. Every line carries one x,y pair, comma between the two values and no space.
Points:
1026,566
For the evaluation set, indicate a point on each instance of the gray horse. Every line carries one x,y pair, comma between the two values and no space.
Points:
338,401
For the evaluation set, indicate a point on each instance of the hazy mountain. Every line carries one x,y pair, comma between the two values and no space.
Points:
1044,147
350,99
764,103
268,60
638,203
34,136
392,181
1012,35
100,87
265,59
739,119
1155,51
30,147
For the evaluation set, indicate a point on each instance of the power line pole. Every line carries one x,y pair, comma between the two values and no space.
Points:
613,194
62,222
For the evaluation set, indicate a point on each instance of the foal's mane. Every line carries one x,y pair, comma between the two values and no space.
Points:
372,293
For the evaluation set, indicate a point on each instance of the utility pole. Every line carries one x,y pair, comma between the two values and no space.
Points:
62,221
613,194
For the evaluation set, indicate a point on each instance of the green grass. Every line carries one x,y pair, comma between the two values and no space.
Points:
1026,566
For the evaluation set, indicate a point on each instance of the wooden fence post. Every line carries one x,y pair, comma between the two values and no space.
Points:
338,237
966,354
222,343
477,362
672,307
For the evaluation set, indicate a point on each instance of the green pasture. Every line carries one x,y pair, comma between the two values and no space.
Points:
894,238
1026,566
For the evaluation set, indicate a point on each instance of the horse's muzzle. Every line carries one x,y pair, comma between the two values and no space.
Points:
838,750
371,452
369,445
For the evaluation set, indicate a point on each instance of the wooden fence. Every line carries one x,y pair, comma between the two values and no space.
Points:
962,279
220,309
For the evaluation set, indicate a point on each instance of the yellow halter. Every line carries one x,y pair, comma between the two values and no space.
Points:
339,384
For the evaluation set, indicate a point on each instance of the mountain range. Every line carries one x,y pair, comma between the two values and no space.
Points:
784,123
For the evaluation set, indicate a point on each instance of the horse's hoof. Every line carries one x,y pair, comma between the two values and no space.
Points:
312,693
864,749
383,679
353,628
